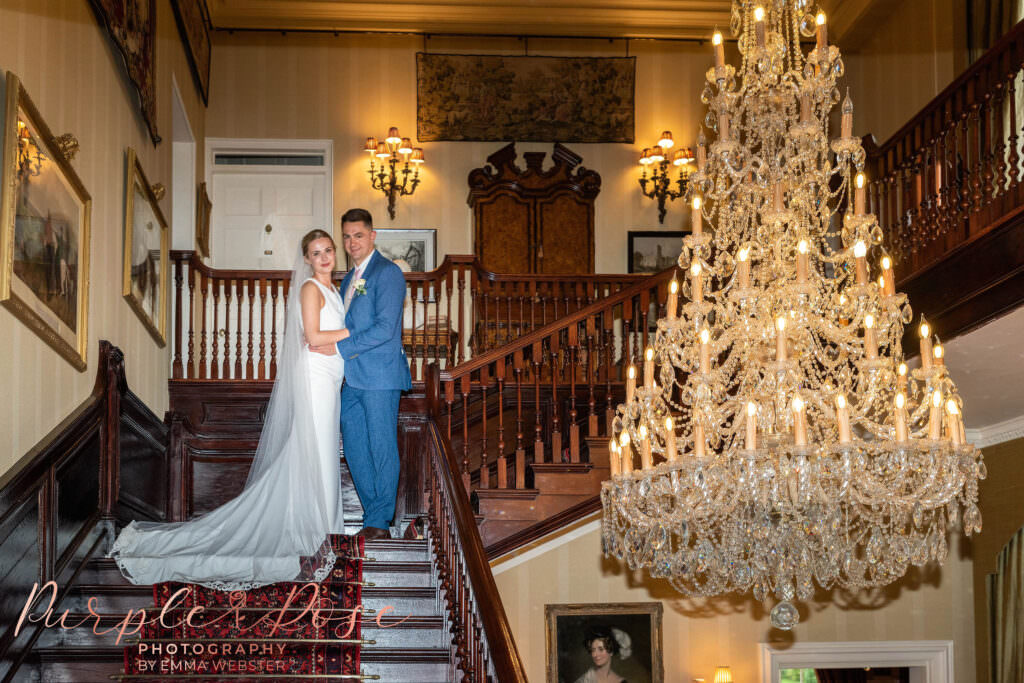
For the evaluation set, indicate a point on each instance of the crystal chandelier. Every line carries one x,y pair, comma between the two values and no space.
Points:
777,439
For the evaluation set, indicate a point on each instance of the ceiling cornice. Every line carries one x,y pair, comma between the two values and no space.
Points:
689,19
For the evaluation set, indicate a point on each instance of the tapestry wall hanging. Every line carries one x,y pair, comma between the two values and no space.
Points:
528,99
132,28
193,18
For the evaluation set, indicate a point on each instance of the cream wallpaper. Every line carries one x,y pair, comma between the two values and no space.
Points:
66,63
348,88
702,634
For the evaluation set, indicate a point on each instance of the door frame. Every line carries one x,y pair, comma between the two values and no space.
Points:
325,147
935,657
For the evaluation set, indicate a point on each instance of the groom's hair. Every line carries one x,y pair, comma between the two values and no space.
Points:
358,216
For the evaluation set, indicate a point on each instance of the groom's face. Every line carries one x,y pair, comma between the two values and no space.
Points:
358,240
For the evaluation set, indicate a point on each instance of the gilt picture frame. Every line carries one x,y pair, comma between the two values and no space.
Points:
146,251
204,210
629,634
413,249
45,214
652,251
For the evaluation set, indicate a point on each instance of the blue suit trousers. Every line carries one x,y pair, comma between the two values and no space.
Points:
369,420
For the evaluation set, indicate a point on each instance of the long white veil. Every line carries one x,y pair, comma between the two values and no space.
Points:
277,528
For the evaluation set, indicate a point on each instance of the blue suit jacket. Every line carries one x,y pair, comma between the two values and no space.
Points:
374,358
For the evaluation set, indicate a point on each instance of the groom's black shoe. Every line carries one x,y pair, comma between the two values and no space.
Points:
373,533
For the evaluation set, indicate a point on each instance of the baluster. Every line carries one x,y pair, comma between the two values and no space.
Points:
533,305
237,286
608,325
465,431
273,329
250,290
574,428
214,356
627,332
591,370
556,429
263,328
499,372
645,307
176,369
485,472
1014,160
435,291
226,372
192,320
990,113
485,294
517,366
448,289
420,343
999,172
462,311
449,398
508,288
536,359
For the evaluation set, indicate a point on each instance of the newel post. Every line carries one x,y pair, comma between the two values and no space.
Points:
432,389
110,384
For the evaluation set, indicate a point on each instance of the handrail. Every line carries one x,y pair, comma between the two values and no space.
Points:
531,338
487,608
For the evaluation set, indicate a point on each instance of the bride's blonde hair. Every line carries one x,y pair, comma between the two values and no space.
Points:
313,235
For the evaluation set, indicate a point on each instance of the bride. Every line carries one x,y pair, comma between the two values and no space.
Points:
292,497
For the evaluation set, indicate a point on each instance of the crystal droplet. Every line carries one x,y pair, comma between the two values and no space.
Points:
784,616
972,520
807,25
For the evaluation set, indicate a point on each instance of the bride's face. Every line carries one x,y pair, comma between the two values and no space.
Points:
320,255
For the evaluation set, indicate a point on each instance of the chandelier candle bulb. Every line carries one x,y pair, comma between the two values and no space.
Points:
630,383
705,351
843,419
673,296
858,194
613,458
697,217
743,267
860,252
805,109
935,418
777,197
716,40
889,286
926,345
625,453
780,339
939,354
759,30
696,282
822,32
901,417
723,127
801,261
954,422
702,150
751,441
901,373
646,462
670,441
698,438
847,125
870,343
649,368
799,422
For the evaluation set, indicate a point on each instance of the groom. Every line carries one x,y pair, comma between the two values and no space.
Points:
376,372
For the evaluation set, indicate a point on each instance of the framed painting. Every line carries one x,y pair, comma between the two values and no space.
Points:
413,249
146,252
652,251
204,209
527,99
44,231
131,25
602,641
193,17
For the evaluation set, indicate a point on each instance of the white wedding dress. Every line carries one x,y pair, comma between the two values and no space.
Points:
292,497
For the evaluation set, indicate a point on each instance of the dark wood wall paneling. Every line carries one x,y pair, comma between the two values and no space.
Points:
59,502
215,429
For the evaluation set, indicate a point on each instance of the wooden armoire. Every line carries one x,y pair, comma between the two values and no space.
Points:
532,220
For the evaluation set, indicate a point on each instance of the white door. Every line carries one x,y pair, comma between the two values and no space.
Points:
265,200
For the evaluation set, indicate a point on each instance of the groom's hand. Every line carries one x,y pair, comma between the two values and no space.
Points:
326,349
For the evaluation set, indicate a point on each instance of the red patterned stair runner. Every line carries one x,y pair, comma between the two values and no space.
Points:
269,633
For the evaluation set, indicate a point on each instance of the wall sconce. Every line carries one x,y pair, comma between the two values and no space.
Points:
659,158
723,675
394,150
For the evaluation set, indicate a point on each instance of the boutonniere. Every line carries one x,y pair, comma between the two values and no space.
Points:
360,286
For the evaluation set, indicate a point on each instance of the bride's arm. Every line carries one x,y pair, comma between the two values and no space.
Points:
312,301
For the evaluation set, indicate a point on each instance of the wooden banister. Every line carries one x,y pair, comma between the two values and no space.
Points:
226,320
946,189
487,648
